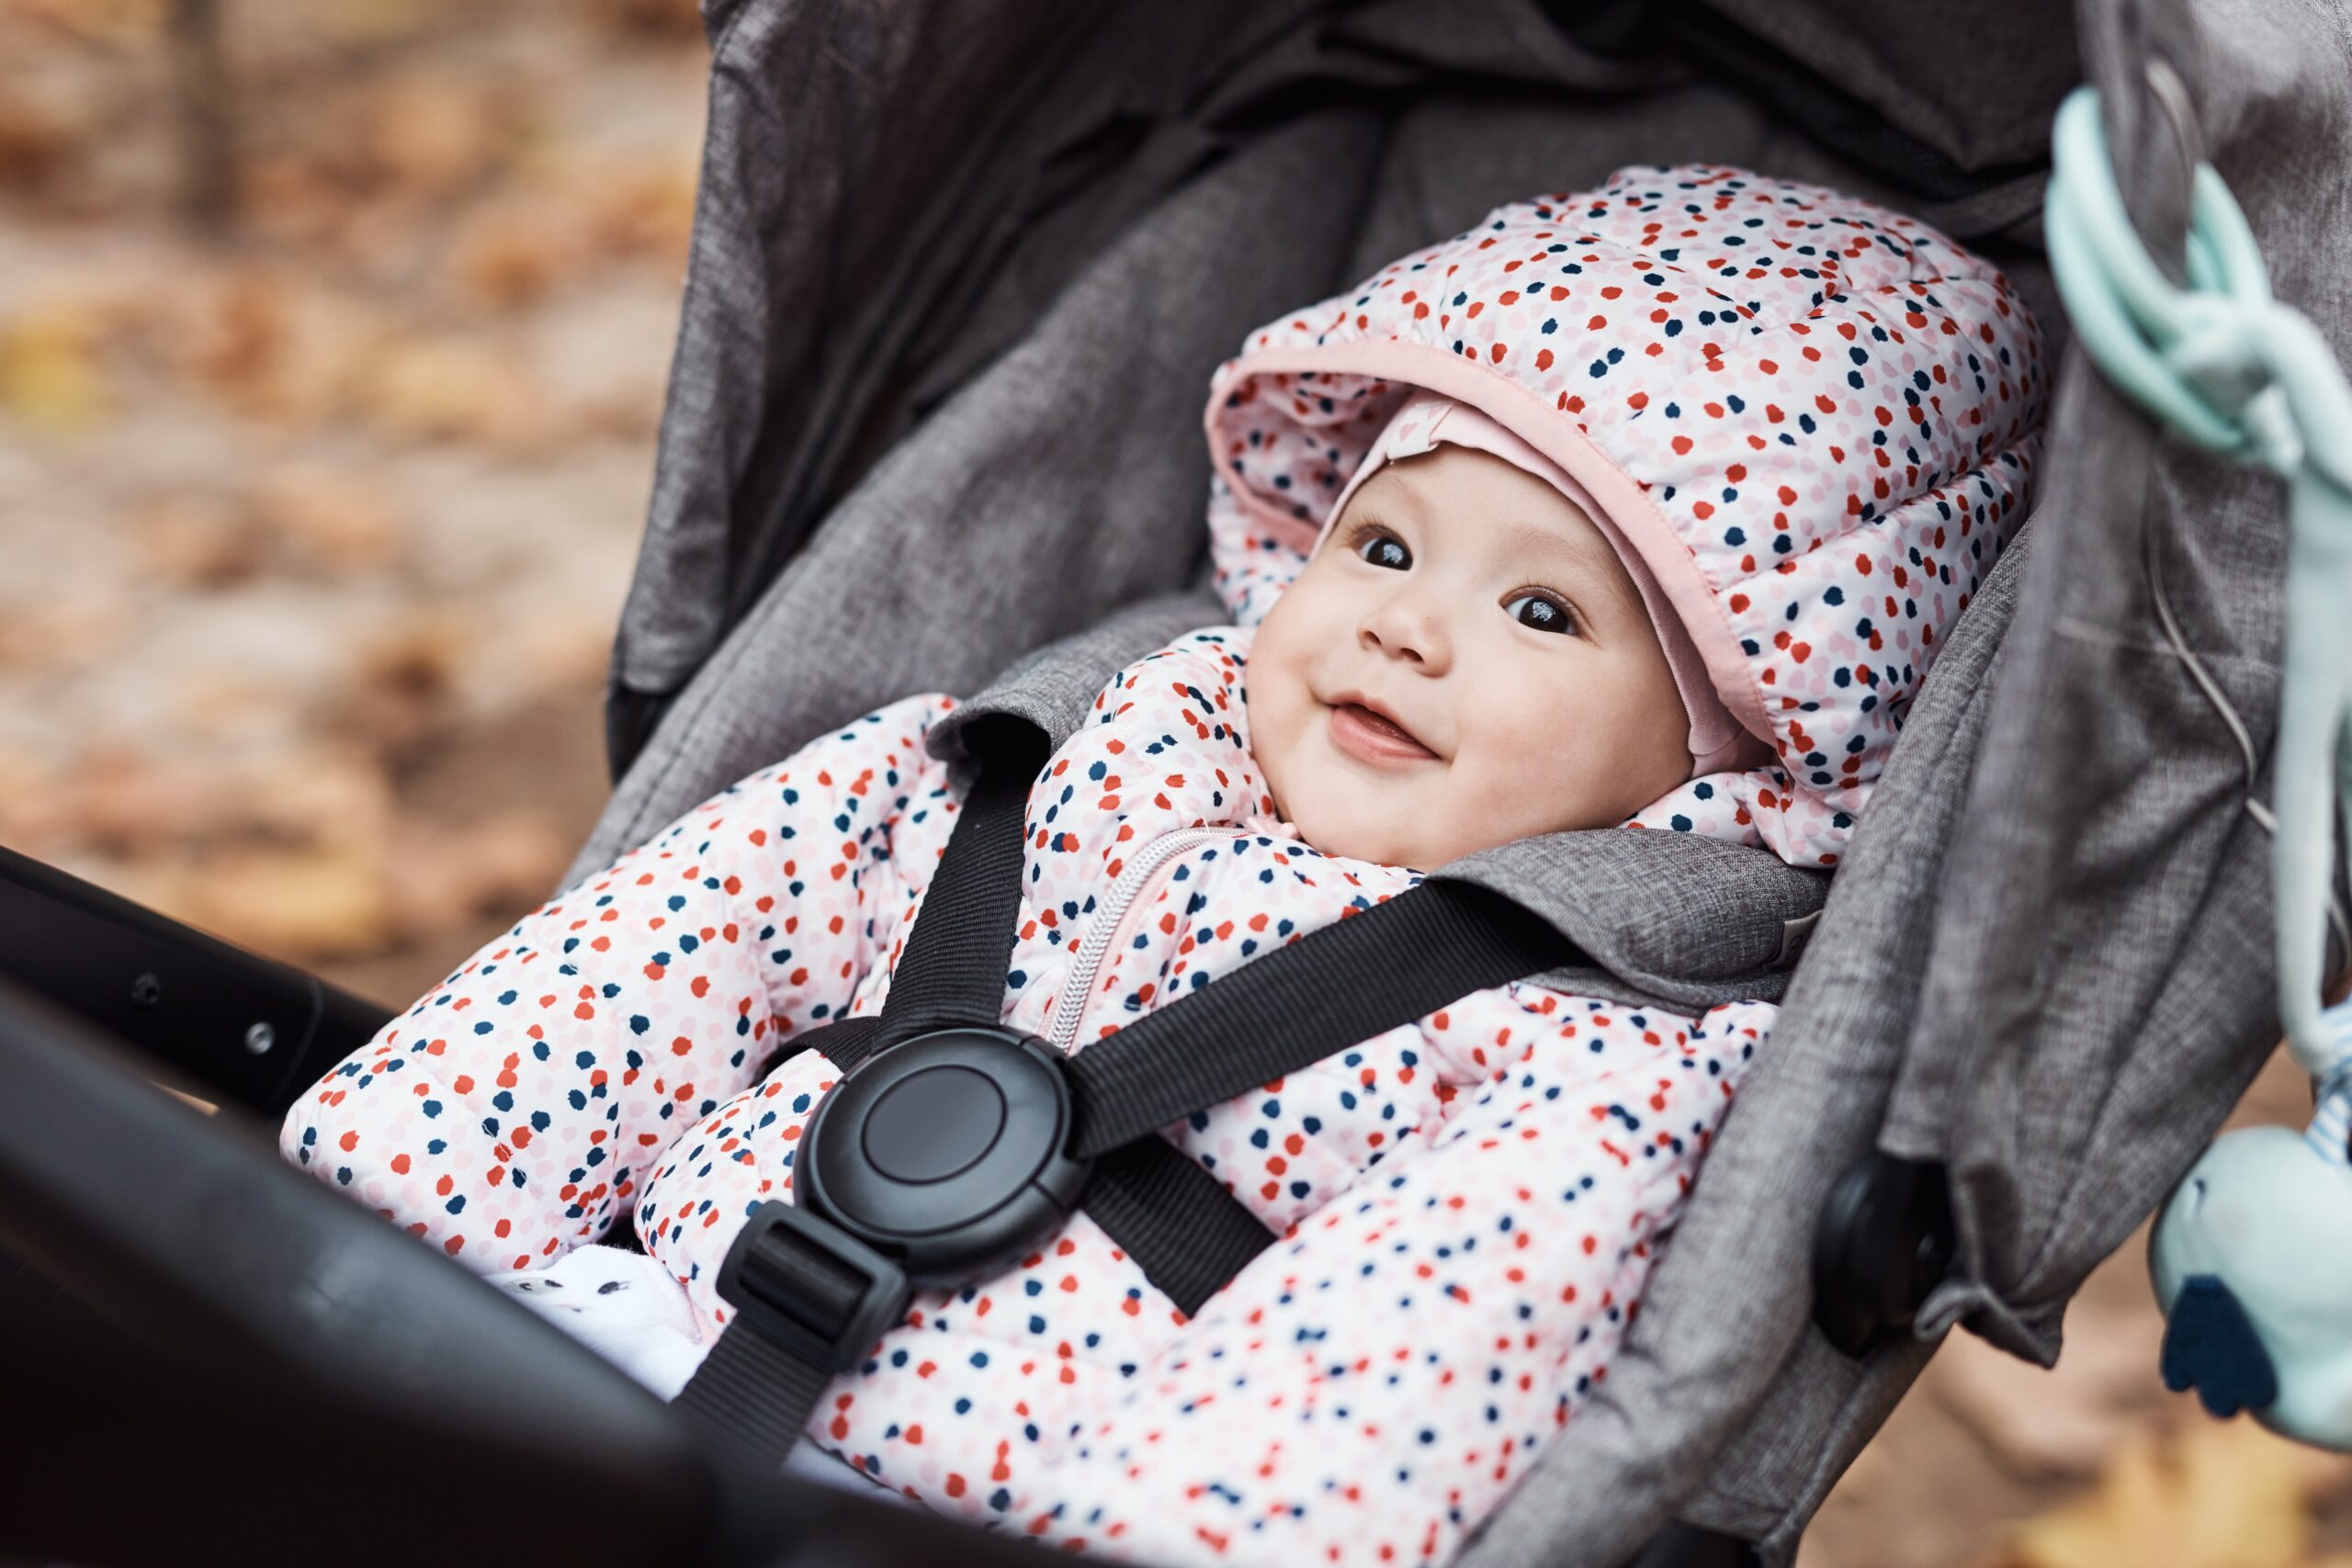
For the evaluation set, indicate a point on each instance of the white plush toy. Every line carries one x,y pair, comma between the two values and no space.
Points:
629,1310
2253,1254
2252,1258
621,1304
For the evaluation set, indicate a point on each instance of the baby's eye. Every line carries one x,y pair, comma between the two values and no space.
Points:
1543,614
1383,550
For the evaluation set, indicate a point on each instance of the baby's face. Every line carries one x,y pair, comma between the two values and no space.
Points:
1463,663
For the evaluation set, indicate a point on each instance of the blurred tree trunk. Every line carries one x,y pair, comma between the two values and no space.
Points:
208,128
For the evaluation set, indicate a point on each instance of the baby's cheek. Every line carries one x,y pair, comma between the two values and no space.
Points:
1271,709
1536,760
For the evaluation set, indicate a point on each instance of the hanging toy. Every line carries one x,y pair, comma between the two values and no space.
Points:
2252,1256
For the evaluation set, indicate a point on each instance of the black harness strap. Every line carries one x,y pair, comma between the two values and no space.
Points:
844,1042
753,1393
952,971
756,1388
1279,1013
1291,1008
955,961
812,1301
1184,1229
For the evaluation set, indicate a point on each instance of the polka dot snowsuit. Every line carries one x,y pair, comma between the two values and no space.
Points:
1467,1205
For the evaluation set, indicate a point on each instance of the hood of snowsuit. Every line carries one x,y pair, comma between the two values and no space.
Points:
1816,420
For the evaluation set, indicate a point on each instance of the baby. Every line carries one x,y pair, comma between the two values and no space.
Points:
1475,659
1644,507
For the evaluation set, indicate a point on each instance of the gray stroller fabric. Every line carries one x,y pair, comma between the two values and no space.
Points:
927,576
1338,138
935,406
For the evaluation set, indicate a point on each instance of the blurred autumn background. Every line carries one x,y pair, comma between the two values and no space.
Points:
333,336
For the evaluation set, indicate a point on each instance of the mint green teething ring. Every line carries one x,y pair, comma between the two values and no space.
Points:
2133,306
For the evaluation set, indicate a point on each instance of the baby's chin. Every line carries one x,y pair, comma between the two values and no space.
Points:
1384,833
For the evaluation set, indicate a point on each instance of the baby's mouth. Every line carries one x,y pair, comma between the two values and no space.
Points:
1372,737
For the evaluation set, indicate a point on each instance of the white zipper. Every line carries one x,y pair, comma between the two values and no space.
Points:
1069,1008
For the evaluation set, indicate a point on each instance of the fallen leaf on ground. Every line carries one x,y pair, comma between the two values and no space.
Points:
101,21
430,389
561,660
121,801
35,142
442,878
511,255
297,905
2204,1494
273,348
70,631
642,210
336,521
318,795
378,22
213,705
402,681
428,137
198,543
51,376
656,18
125,802
2062,1421
32,806
293,199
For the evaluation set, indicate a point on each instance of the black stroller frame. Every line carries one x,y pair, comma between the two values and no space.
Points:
925,236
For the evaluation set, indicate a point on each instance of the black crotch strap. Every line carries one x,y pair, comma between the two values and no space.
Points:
954,1106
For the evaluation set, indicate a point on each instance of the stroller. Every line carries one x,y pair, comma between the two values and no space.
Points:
924,236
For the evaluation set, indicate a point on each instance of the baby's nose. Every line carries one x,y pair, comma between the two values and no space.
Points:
1401,629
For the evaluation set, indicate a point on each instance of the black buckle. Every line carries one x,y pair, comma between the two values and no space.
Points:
946,1153
766,1275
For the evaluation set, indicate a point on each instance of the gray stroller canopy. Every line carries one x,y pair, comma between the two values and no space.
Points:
960,273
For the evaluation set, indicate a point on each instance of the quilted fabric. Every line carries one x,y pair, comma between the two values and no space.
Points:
1818,421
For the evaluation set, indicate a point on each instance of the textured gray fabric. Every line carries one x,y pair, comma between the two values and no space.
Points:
1065,480
866,171
1055,687
1938,70
892,196
798,96
2069,1070
1671,920
1282,219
